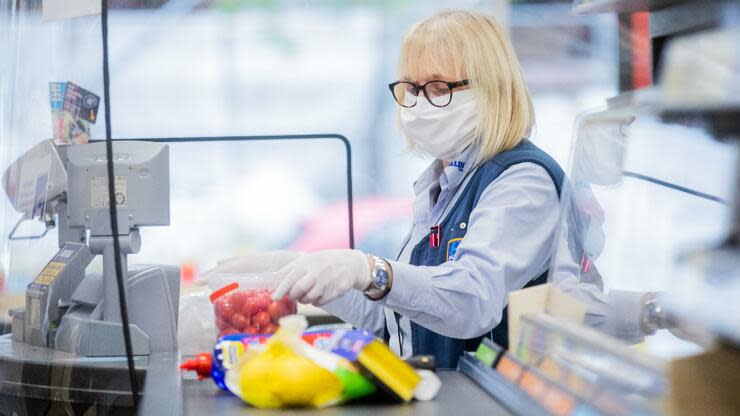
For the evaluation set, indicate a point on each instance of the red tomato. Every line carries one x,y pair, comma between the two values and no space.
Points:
263,301
217,304
261,319
221,324
269,329
224,310
239,321
251,329
290,305
277,310
249,308
227,331
237,298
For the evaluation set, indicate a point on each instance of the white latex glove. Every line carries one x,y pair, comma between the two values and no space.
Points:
320,277
268,261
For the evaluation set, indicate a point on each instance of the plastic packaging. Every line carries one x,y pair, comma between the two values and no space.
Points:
229,349
429,386
378,363
196,329
243,303
288,372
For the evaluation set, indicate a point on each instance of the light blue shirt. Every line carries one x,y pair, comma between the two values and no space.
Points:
510,238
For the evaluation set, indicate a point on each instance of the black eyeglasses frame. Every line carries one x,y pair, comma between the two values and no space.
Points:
451,85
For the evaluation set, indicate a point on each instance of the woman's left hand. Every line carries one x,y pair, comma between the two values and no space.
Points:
320,277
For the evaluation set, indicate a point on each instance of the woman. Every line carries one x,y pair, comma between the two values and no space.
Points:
485,217
486,209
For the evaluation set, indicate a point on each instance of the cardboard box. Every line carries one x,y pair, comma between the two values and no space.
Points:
541,299
705,384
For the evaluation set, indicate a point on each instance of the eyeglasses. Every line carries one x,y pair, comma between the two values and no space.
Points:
438,93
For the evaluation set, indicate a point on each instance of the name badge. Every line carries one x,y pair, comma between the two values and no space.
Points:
452,246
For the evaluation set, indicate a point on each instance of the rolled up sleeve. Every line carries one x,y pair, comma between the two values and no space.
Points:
507,244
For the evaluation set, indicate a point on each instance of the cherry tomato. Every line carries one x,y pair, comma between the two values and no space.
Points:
261,319
239,321
221,324
217,304
237,298
262,301
251,329
290,305
269,329
228,331
277,310
225,309
249,307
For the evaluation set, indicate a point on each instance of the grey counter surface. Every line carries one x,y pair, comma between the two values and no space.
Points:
458,396
31,374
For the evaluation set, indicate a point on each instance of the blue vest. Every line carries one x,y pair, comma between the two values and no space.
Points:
445,349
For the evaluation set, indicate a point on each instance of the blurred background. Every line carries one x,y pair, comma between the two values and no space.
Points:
189,68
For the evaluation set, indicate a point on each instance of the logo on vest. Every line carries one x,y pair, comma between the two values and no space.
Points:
458,164
452,248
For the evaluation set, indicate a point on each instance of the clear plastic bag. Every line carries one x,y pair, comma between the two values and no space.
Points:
196,327
242,303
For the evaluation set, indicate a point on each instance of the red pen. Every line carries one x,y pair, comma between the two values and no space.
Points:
585,262
434,236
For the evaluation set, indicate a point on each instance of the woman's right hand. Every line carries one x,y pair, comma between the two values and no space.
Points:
267,261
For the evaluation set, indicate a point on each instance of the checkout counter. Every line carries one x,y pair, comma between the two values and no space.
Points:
459,394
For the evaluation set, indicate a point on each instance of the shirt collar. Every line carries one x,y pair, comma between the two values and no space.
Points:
428,176
456,170
450,176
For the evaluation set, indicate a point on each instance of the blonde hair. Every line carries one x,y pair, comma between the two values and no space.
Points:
476,48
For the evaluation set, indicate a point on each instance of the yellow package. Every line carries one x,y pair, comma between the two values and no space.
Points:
281,375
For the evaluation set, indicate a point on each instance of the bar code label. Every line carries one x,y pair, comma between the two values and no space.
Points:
50,272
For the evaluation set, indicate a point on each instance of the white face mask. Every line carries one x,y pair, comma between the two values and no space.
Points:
442,132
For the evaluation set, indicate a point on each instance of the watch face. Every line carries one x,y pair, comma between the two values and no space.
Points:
381,278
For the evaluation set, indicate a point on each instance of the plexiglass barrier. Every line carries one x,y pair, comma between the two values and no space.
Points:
641,194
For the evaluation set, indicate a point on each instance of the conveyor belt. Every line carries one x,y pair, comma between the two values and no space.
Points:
459,396
37,380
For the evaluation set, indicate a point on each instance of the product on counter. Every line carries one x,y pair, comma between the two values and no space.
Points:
429,386
288,372
319,368
380,364
229,349
248,310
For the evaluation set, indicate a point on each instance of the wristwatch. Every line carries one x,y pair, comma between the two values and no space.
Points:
381,278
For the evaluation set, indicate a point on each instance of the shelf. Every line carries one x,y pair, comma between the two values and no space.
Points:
620,6
501,389
686,17
706,292
722,122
